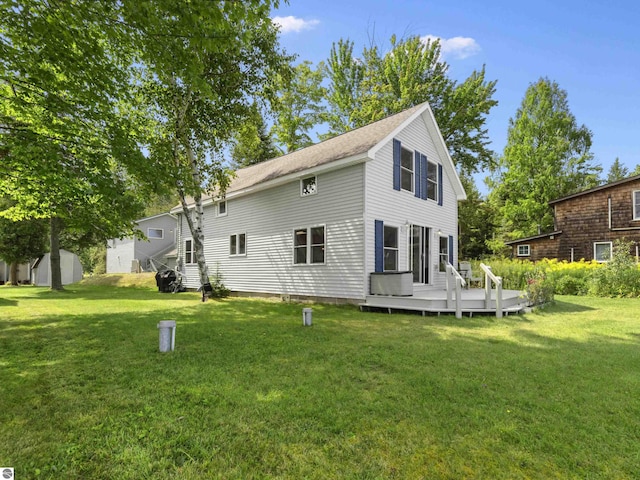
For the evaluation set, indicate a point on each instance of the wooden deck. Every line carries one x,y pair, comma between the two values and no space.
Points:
435,301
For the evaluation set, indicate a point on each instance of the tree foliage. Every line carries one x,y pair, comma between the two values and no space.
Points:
253,143
477,221
617,171
547,156
409,73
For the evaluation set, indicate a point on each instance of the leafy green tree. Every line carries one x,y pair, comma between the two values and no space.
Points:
617,171
547,156
201,65
252,143
409,73
298,106
21,241
476,217
65,134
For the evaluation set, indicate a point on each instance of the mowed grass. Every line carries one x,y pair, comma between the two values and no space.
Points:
249,393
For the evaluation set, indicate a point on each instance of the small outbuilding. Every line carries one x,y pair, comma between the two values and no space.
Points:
70,267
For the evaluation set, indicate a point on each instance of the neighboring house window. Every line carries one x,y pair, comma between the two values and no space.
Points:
444,253
238,244
308,186
390,248
432,181
636,205
189,254
524,250
602,251
222,208
406,170
309,245
155,233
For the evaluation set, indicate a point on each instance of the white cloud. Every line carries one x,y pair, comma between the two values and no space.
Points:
456,47
294,24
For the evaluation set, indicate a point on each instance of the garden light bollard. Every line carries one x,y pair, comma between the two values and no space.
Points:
167,335
307,313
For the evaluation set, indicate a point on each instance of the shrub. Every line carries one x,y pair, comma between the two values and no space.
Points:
570,285
620,277
539,289
219,290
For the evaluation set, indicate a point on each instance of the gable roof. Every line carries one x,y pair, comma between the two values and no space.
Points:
596,189
358,145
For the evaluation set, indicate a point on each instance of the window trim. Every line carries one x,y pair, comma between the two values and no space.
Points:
303,193
309,246
595,252
635,200
404,169
386,248
190,251
226,208
237,245
528,249
161,230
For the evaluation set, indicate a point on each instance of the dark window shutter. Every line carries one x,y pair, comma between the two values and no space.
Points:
440,186
423,176
379,246
397,152
417,174
451,249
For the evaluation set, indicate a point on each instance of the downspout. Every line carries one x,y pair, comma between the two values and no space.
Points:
609,205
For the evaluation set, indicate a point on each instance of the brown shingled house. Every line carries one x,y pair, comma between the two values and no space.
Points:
587,224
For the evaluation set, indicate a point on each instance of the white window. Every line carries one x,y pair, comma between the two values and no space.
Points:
602,251
444,253
189,254
524,250
636,205
157,233
406,170
390,248
222,208
309,245
238,244
308,186
432,181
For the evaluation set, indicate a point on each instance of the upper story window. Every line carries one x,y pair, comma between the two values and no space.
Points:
602,251
157,233
432,181
390,248
636,205
308,186
222,208
309,245
406,170
189,253
524,250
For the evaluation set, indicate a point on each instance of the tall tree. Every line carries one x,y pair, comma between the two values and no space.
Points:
252,143
547,156
298,106
617,171
477,221
409,73
202,63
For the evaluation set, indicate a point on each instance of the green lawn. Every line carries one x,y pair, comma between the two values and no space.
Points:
251,393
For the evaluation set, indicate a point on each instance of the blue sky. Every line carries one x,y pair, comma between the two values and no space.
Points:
590,48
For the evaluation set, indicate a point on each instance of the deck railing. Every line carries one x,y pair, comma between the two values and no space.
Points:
489,278
454,282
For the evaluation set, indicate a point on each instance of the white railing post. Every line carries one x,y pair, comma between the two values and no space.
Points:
488,278
449,289
499,298
458,298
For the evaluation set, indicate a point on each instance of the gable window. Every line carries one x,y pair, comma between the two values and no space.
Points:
238,244
636,205
524,250
222,208
406,170
390,248
189,254
309,245
308,186
432,181
602,251
443,254
157,233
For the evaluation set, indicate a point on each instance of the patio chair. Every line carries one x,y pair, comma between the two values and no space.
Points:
466,273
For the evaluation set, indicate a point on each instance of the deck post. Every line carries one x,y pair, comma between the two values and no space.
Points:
449,287
458,298
499,298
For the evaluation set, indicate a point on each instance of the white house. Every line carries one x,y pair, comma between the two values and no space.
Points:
131,254
318,222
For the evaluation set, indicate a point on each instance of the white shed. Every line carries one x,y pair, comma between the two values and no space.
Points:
70,267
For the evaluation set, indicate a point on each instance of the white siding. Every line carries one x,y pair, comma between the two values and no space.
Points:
120,254
399,208
269,217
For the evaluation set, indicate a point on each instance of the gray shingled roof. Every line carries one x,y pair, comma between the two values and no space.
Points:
355,142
